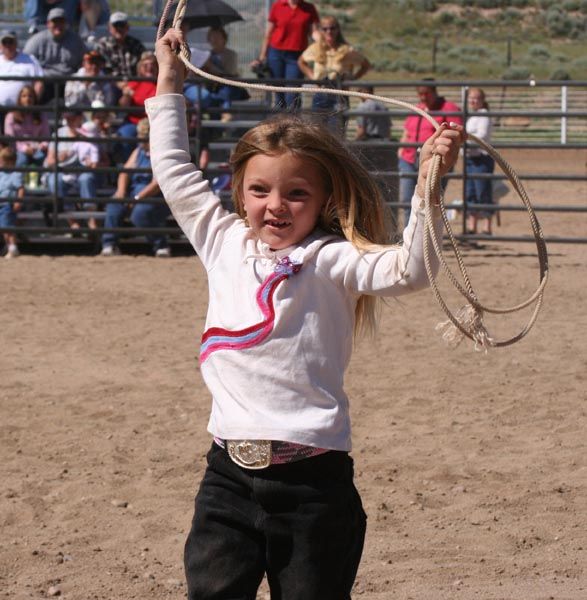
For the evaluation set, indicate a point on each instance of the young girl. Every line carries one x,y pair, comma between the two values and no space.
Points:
291,275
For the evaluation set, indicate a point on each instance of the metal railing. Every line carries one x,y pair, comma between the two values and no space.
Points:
566,130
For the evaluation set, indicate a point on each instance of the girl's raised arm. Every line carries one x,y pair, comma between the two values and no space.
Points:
171,70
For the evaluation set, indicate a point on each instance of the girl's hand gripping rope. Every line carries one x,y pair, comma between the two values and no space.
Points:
171,70
446,143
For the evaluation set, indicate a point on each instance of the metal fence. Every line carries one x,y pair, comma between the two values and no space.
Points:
543,116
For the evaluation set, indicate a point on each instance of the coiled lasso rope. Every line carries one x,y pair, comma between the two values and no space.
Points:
468,322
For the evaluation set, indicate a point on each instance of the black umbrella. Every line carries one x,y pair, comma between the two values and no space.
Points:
206,13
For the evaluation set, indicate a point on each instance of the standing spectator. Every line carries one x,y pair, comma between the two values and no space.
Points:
289,26
417,130
93,13
36,11
58,49
83,93
377,124
478,191
332,59
120,50
11,186
20,125
134,94
138,186
14,62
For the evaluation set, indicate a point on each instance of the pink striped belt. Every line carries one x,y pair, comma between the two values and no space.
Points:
259,454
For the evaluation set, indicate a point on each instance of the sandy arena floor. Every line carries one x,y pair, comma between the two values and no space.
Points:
472,466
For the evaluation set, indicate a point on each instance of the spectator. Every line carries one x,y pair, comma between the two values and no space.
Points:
417,130
21,125
103,121
134,94
11,186
93,13
224,62
120,50
14,62
478,191
83,93
58,49
36,11
332,59
75,153
138,186
375,126
289,26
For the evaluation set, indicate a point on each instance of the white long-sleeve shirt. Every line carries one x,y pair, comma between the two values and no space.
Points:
481,127
288,387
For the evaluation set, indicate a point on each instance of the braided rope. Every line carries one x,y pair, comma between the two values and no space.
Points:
468,322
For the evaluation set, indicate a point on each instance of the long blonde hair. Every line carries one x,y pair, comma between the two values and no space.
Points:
354,209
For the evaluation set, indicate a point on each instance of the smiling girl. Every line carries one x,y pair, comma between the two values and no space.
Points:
292,275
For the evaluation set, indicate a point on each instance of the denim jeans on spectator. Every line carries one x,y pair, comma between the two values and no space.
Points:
142,215
7,215
283,64
302,523
35,11
479,191
37,158
87,183
407,185
122,150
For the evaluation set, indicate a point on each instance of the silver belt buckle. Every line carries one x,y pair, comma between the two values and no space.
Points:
250,454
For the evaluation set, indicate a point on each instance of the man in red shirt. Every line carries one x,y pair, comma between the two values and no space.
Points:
417,130
289,26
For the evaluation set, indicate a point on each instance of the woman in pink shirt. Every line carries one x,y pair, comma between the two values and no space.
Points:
22,125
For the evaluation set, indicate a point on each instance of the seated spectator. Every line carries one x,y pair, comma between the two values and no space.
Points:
11,186
21,125
223,62
58,49
120,50
103,121
134,94
137,186
93,13
332,60
77,153
83,93
376,126
14,62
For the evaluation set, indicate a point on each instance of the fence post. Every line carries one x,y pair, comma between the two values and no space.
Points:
465,104
564,108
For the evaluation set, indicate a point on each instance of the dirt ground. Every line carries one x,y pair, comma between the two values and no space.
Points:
472,466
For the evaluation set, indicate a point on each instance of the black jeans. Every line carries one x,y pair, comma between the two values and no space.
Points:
302,523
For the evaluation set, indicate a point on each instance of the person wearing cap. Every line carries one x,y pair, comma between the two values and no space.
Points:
20,64
83,93
120,50
58,49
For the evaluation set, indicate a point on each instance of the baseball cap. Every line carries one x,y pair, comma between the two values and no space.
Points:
118,17
56,13
5,34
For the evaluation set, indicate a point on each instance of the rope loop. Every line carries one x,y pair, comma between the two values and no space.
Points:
468,321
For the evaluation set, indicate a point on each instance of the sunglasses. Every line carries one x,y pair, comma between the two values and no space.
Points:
334,28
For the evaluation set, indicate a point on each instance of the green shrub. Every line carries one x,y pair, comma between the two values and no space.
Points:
558,23
560,75
516,73
539,51
570,5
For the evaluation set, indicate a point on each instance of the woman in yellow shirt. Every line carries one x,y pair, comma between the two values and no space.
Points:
332,60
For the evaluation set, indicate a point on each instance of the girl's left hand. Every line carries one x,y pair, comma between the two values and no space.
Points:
446,143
